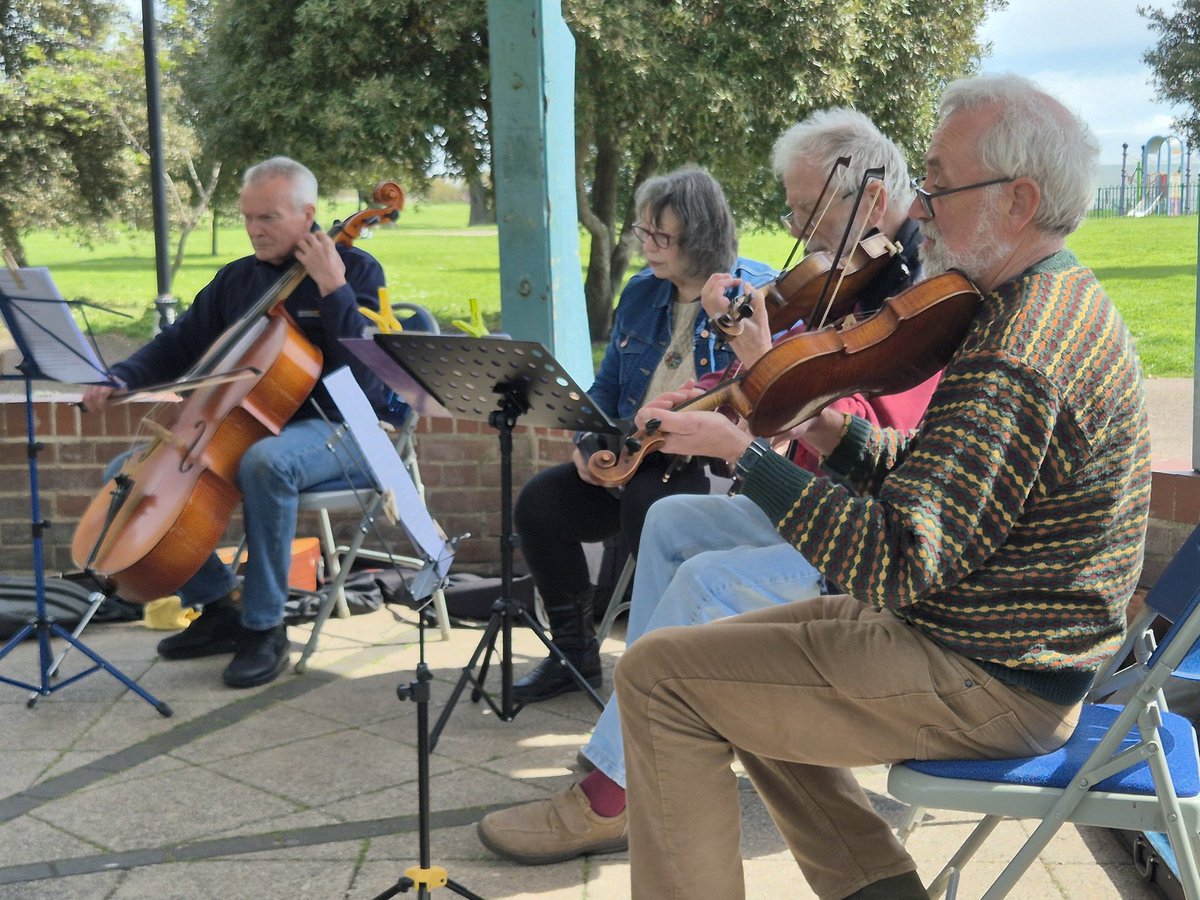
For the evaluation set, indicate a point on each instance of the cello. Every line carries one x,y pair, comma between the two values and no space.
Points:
911,338
156,522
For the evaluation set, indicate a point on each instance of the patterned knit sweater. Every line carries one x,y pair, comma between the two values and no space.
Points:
1009,527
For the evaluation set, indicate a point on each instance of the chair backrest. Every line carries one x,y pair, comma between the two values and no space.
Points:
412,317
418,318
1175,596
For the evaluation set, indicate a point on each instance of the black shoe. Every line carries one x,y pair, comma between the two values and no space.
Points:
216,631
551,678
260,657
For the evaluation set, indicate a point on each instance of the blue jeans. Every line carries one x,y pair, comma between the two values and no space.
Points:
701,558
271,476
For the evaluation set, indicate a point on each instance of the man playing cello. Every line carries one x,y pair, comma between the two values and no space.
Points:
278,204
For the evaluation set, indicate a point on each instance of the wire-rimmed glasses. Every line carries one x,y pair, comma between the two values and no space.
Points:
927,197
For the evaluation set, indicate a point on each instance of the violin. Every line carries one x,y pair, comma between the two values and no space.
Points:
156,522
799,293
822,287
911,338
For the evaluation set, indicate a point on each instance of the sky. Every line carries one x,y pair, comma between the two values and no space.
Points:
1088,53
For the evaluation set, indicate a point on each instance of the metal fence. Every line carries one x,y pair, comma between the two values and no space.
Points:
1172,199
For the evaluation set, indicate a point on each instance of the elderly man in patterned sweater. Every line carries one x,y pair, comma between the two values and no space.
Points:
987,565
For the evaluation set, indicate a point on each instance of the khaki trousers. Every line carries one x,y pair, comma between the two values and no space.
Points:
798,693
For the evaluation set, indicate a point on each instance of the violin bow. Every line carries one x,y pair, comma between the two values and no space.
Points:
842,162
739,306
827,296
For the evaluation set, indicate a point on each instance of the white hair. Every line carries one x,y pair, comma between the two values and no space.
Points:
1034,137
829,134
302,181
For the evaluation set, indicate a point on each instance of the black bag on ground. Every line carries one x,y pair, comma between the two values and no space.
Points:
66,603
468,596
367,590
471,596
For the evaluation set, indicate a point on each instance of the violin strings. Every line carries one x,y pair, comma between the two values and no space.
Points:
844,263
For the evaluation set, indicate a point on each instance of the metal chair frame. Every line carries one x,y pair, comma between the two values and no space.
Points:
1117,744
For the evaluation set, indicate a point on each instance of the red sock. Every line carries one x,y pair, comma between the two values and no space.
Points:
605,795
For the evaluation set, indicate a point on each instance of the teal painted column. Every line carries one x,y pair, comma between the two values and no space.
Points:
533,145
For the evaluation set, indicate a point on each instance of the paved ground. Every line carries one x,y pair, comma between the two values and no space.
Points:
307,787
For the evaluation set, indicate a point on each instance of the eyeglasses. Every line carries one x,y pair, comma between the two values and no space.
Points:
927,197
789,218
662,240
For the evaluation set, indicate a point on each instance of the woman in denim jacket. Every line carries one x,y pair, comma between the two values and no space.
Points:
661,338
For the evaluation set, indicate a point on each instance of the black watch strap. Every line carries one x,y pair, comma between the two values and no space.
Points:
759,448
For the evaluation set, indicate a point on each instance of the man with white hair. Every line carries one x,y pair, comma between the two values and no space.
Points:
987,572
278,203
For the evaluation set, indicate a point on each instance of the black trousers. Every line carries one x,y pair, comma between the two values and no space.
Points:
557,512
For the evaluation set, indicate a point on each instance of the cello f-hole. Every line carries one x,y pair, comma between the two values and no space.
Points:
187,463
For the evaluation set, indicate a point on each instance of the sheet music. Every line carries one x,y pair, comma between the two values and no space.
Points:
387,468
44,329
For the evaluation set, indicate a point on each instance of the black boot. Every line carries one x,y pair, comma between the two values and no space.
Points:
573,631
215,632
899,887
260,657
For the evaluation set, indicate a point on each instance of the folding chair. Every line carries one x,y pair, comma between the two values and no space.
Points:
1131,766
341,497
616,602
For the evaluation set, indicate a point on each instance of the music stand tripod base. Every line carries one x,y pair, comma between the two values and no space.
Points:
42,625
465,376
425,876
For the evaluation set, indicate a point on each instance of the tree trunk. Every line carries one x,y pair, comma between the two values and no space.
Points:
10,238
191,218
483,210
596,215
611,250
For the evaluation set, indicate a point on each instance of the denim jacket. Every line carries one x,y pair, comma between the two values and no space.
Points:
641,334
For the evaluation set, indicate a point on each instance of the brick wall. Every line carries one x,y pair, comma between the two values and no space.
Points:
460,466
459,462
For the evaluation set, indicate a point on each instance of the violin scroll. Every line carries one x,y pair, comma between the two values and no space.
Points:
612,470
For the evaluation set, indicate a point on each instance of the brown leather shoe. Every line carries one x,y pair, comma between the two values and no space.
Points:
552,830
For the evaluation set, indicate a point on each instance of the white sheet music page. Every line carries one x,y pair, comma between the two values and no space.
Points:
44,329
388,469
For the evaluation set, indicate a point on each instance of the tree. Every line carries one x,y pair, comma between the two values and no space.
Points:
63,158
357,92
658,84
1175,61
720,81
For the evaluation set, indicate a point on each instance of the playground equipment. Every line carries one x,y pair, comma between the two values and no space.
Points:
1164,189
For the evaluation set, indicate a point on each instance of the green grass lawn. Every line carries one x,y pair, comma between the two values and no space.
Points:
1148,265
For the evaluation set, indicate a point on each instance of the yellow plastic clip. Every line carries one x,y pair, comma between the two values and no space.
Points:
385,320
475,327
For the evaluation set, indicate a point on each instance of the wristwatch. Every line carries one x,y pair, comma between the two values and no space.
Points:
758,448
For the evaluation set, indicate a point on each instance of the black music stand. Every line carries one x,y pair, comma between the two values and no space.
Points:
425,876
53,349
465,375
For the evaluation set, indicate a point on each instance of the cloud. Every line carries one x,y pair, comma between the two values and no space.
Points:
1088,53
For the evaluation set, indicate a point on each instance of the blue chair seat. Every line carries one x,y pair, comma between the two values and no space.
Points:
1055,770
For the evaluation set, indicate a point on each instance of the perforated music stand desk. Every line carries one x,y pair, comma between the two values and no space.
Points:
497,380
